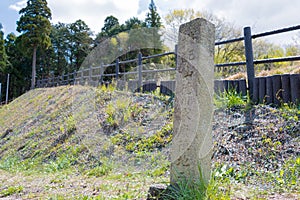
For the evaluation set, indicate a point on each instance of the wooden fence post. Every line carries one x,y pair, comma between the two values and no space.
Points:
81,77
140,67
249,59
90,74
101,74
68,78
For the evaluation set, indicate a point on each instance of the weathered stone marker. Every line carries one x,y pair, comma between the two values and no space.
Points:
192,140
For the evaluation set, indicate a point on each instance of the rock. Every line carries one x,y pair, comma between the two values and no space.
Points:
156,192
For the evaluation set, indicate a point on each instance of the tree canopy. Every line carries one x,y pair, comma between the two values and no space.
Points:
3,56
35,29
153,19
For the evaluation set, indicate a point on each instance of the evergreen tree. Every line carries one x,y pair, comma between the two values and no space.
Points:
133,23
35,27
19,66
111,26
153,24
60,37
3,60
153,19
80,42
3,56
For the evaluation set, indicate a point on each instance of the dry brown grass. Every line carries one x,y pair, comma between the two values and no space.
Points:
237,76
295,69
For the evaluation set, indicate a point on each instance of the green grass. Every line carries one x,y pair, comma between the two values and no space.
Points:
139,143
230,99
188,189
11,190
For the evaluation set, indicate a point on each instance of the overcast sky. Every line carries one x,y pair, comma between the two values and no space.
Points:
261,15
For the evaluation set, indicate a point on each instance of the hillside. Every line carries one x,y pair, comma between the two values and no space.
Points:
79,142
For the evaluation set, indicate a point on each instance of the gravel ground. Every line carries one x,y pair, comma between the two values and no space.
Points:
263,137
259,140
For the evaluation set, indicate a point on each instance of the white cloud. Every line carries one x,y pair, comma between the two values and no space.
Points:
92,12
18,6
261,15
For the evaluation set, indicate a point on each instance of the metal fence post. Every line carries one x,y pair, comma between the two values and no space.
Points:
117,68
249,59
140,58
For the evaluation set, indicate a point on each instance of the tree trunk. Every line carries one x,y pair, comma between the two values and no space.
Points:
33,67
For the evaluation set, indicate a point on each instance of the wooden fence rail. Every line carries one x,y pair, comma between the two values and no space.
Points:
274,89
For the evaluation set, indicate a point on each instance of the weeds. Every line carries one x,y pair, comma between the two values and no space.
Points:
138,143
11,190
230,99
189,189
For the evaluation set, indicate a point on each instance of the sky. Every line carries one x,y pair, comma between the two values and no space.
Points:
260,15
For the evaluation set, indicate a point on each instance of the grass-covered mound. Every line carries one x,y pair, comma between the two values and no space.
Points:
80,142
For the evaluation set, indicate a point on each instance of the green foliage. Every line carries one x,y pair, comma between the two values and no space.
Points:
11,190
34,23
138,143
229,99
197,189
71,124
290,111
103,169
35,28
219,185
19,66
80,39
9,163
133,23
119,112
289,176
153,19
111,26
284,180
3,55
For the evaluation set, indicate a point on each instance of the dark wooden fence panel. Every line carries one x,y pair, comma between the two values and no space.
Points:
277,89
149,86
269,90
227,85
167,87
295,88
286,88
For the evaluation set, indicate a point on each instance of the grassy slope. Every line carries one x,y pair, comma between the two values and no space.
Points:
77,142
70,138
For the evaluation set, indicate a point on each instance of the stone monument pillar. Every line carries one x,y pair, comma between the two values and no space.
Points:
192,140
